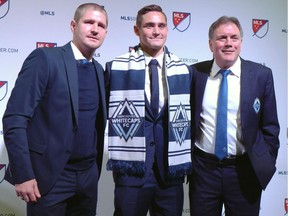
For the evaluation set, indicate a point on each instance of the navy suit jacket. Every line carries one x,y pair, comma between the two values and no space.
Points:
259,130
42,114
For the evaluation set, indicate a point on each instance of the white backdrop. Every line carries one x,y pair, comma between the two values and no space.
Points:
27,24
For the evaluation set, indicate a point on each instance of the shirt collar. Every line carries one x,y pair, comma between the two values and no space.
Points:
77,54
235,69
159,58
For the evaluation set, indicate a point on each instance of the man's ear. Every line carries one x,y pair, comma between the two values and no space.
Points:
136,30
210,46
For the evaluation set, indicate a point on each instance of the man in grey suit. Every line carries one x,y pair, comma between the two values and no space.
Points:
236,173
55,119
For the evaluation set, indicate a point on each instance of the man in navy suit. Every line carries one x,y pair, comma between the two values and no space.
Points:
149,145
237,178
55,119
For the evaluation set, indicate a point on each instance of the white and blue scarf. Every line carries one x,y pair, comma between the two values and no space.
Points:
126,133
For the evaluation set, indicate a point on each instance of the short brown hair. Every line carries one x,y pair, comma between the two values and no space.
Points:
83,7
147,9
224,20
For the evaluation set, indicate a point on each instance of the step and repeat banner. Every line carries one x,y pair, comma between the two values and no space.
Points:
26,25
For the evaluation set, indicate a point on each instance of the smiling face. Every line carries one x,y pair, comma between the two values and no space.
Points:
152,32
90,31
226,44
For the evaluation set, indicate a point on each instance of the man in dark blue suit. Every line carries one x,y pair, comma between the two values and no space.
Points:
236,173
55,120
149,125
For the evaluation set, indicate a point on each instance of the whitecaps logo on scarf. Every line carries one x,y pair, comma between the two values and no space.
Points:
126,120
180,124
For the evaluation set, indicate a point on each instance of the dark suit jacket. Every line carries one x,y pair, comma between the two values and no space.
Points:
156,135
41,117
259,130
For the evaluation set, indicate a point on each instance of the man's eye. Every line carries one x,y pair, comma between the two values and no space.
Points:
102,26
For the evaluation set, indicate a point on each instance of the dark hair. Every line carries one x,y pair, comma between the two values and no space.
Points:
83,7
147,9
224,20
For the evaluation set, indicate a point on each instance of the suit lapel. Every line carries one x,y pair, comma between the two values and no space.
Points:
148,109
72,77
246,84
100,80
200,80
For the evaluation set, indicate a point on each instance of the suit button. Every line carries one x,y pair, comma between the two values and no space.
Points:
74,129
152,143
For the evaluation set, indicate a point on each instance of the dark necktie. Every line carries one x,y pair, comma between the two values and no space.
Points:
154,86
221,123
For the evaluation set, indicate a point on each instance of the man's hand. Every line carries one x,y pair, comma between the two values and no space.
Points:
28,191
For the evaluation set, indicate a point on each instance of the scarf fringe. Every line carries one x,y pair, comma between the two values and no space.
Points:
130,168
180,170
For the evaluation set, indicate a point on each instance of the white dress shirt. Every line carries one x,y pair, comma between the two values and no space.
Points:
206,140
77,54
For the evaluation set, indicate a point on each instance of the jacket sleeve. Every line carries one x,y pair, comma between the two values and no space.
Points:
25,96
269,122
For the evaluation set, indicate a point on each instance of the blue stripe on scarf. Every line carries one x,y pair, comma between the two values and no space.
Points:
119,79
131,58
176,81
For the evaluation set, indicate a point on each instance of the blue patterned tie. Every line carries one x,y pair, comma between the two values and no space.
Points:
83,61
154,85
221,124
